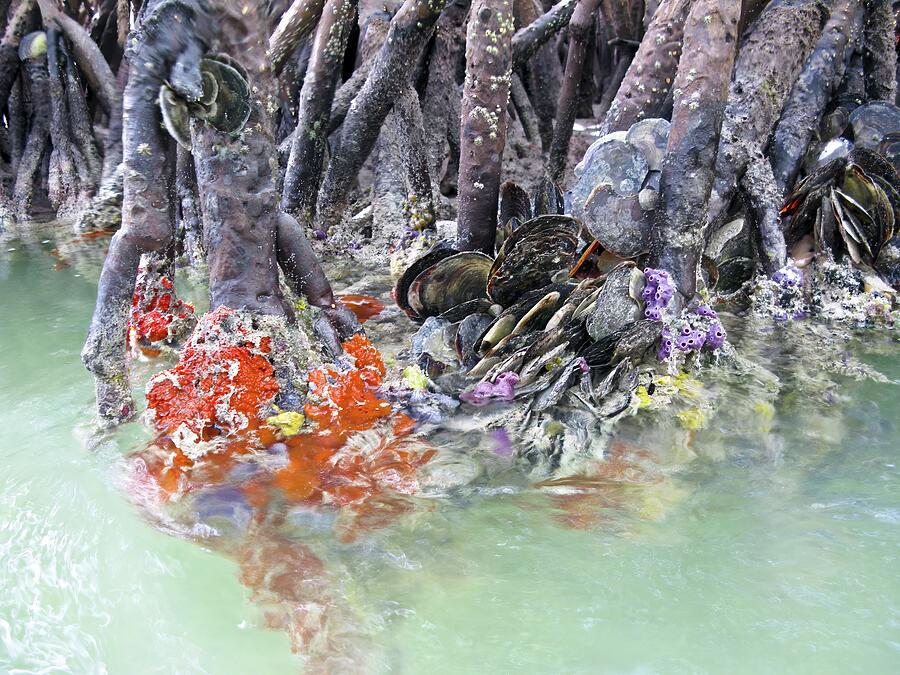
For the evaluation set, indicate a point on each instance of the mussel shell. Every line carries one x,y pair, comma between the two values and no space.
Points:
231,108
872,199
636,339
834,123
530,264
890,149
468,308
872,122
650,136
836,148
733,272
515,316
450,282
175,116
620,224
550,224
615,163
514,203
614,307
467,335
438,252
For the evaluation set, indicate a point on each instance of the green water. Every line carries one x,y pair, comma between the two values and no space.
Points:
771,551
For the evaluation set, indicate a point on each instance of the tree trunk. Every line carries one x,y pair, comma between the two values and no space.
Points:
580,28
409,33
649,77
483,124
710,41
304,169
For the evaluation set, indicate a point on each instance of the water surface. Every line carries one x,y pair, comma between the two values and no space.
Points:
775,549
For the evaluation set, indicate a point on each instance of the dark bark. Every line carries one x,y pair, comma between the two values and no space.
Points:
528,40
189,220
238,197
648,80
710,41
96,70
618,14
483,123
296,23
80,124
64,183
376,30
441,85
28,176
17,118
623,62
542,73
23,21
880,54
821,75
410,31
762,83
304,169
146,209
580,27
527,117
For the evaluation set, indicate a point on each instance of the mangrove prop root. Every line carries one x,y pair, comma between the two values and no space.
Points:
304,276
527,40
376,30
418,177
21,22
189,221
542,72
880,53
16,120
527,117
238,198
295,24
579,33
649,77
28,175
410,31
146,208
96,70
812,91
441,85
710,41
760,88
301,179
765,201
483,123
63,181
80,123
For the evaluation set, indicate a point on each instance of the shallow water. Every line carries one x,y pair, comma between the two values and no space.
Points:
775,549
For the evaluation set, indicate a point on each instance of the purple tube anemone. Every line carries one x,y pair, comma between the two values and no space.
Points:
788,277
657,292
715,336
665,344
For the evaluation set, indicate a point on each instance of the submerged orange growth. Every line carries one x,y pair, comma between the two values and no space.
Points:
364,306
218,387
156,313
357,450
